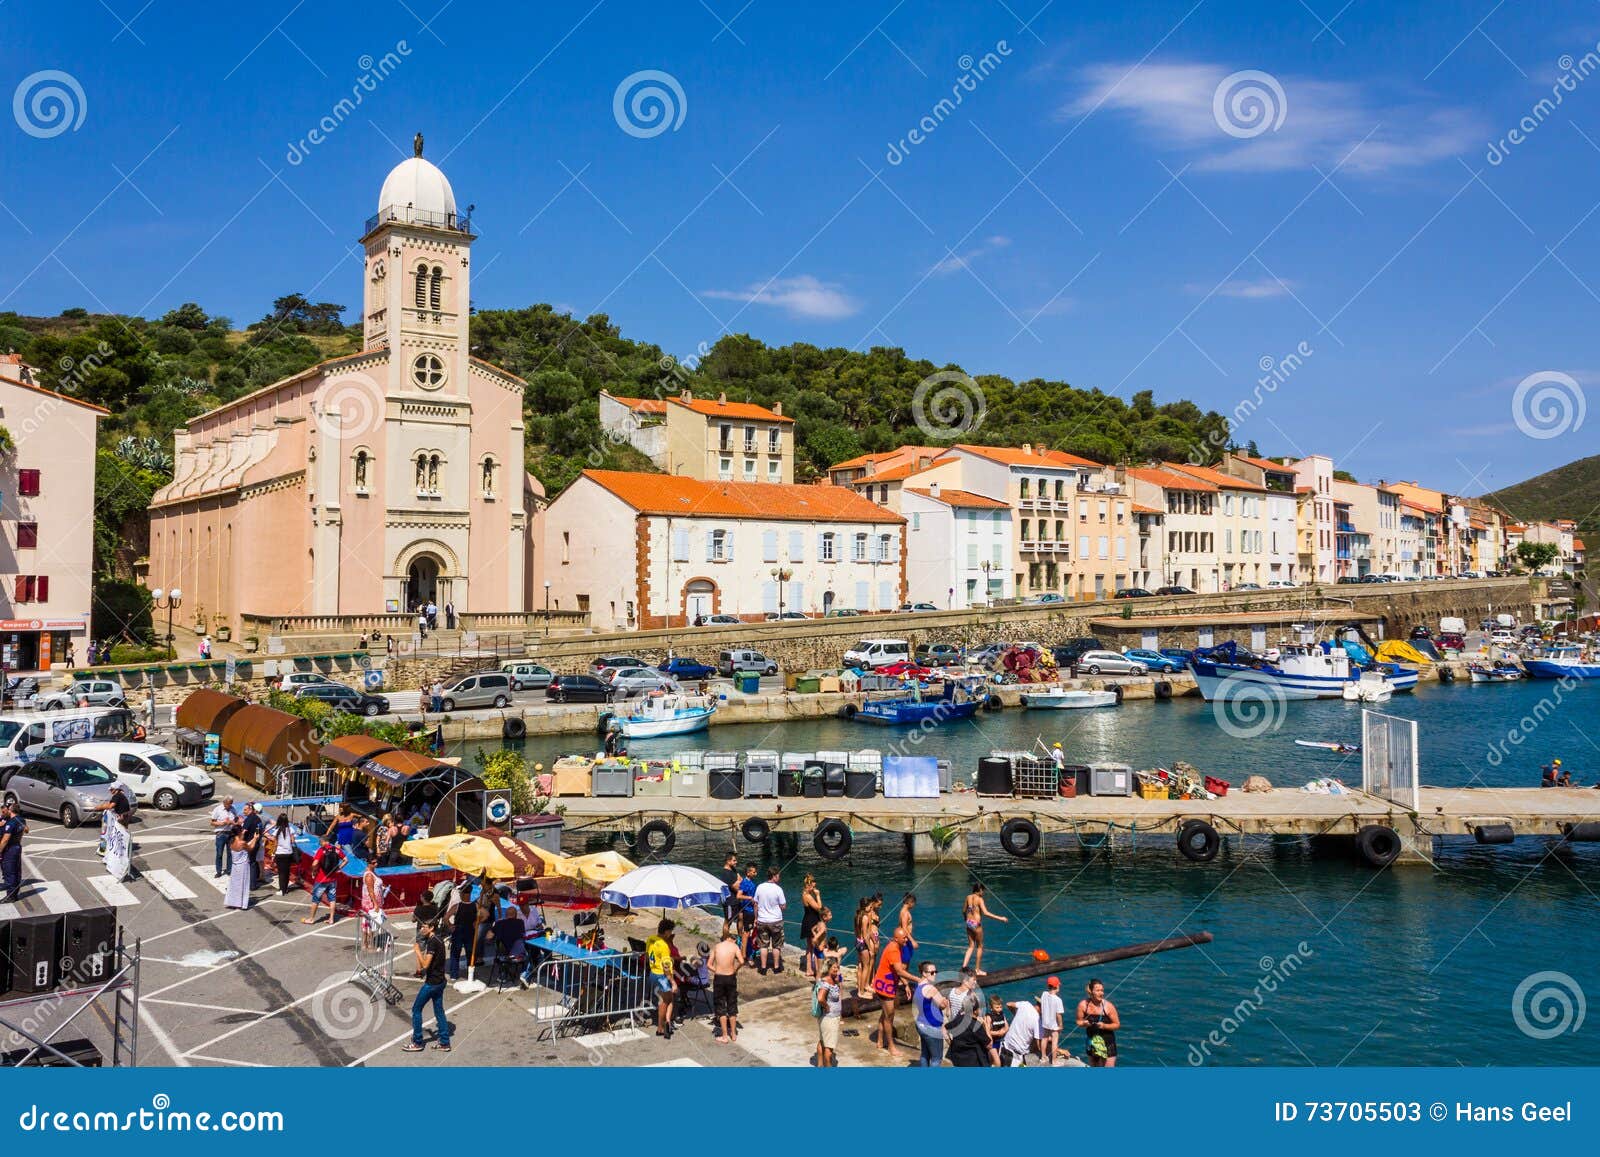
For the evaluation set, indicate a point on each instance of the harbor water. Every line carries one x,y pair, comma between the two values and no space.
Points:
1488,959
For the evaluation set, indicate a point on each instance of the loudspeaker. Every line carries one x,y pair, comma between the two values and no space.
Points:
88,946
81,1052
35,953
5,958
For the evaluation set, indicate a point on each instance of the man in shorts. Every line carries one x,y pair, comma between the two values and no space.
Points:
324,875
747,909
1022,1038
830,1001
770,903
724,964
658,957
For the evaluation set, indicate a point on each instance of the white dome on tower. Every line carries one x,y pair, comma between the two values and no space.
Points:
419,185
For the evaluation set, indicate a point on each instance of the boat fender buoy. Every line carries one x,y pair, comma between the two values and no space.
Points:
1494,833
1198,842
1581,833
1163,690
755,831
514,727
1117,691
656,838
1379,846
832,839
1020,837
1041,955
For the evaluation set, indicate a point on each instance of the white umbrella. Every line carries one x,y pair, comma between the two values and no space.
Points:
665,886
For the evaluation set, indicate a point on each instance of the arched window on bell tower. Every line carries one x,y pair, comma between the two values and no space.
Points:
422,287
436,289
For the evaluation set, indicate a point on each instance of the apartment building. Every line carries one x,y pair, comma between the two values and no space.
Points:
1315,521
1188,509
959,547
1255,527
866,466
712,440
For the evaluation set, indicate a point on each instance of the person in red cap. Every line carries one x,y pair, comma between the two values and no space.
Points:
1051,1010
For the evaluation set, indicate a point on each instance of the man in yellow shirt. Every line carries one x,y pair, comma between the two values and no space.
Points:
658,957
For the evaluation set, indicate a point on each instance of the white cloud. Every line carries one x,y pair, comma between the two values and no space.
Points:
956,262
1247,290
1324,123
802,296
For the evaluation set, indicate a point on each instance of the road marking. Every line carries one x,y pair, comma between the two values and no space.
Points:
113,891
56,897
220,883
168,885
605,1040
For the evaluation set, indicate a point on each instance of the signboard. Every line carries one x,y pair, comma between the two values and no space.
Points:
391,606
230,670
118,846
372,680
213,748
21,624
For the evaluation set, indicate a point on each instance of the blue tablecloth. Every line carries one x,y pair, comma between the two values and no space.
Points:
568,949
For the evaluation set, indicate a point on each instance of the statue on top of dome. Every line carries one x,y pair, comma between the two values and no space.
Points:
416,145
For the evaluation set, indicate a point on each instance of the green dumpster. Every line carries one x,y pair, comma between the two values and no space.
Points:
808,684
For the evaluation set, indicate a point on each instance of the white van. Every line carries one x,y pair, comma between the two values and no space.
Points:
152,773
24,734
875,653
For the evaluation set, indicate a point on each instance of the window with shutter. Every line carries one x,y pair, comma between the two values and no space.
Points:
41,590
680,546
769,546
27,535
28,483
19,589
797,546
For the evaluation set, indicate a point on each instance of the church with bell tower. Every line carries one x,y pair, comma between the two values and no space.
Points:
372,483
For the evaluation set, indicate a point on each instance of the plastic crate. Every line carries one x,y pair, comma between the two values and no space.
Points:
1152,789
1110,779
867,759
571,777
761,774
612,779
1217,787
690,782
653,779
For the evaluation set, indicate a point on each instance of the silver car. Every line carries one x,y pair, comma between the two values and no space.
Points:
527,676
65,789
1108,663
638,680
479,689
94,692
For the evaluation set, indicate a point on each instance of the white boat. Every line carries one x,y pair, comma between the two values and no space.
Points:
1372,687
1055,698
1301,671
1499,673
666,714
1566,661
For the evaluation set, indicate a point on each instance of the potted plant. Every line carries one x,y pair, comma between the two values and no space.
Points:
223,631
200,619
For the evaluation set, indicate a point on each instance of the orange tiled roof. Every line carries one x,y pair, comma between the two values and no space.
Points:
893,474
1266,464
962,498
1137,509
787,502
642,405
740,411
1167,480
1577,544
1016,456
866,459
1216,477
54,394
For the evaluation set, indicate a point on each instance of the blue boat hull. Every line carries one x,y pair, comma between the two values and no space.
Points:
1544,669
910,713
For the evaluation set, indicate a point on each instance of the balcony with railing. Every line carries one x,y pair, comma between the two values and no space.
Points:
406,215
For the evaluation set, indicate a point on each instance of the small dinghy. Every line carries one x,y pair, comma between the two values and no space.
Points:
1323,745
1068,698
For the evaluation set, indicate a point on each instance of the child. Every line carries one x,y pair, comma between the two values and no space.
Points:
1051,1010
998,1027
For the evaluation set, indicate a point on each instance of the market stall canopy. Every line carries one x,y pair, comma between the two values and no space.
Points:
397,767
352,750
665,886
596,868
206,711
259,739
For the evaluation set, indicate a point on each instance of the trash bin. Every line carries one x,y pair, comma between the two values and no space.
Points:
748,682
760,774
808,684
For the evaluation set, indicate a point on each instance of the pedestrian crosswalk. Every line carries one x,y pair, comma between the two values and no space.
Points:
168,885
113,891
220,883
39,896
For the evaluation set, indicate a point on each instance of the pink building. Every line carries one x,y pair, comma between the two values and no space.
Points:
370,483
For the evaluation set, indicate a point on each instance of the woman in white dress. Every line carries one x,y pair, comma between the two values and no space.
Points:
238,871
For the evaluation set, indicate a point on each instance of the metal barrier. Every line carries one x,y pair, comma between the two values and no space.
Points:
1389,758
374,971
577,997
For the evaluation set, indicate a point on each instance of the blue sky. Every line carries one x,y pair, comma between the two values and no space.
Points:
1109,202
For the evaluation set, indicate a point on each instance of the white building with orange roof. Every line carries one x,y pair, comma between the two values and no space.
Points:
959,546
711,439
642,551
1313,476
862,467
1255,528
1188,524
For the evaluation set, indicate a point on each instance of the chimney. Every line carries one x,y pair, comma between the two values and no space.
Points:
1027,447
722,399
777,408
933,489
686,397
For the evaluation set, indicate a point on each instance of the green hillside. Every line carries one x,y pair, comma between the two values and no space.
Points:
1570,491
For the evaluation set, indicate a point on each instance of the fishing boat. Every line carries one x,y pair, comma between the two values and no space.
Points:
1300,671
666,714
1370,687
1337,748
1499,673
1563,661
954,703
1067,698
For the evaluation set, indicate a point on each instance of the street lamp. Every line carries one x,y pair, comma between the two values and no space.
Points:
168,601
547,608
782,574
987,567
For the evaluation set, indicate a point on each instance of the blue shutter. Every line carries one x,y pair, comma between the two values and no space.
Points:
680,546
769,546
727,542
821,556
769,598
711,554
863,596
796,597
797,546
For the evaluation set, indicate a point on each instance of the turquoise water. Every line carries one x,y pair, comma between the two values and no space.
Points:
1317,960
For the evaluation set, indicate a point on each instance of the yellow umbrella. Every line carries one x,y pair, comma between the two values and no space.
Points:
596,868
475,855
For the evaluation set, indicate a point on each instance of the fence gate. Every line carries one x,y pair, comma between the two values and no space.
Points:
1389,758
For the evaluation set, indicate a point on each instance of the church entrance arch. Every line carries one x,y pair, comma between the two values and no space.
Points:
422,581
428,571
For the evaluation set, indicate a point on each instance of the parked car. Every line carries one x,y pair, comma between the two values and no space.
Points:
1247,586
987,655
526,676
1046,597
786,616
1503,638
721,621
637,680
877,653
1420,632
1153,660
1178,655
1281,584
906,671
1175,590
1132,593
1069,652
295,679
25,734
478,689
65,789
96,692
600,665
939,655
842,613
578,689
730,662
152,773
344,698
1348,580
681,667
1108,663
1451,641
917,607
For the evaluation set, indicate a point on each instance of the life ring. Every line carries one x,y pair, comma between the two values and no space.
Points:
832,839
848,711
1117,691
645,842
755,831
1378,845
499,810
1163,690
1020,837
514,727
1198,841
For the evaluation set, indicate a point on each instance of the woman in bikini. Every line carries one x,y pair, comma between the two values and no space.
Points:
867,944
974,910
811,899
1098,1018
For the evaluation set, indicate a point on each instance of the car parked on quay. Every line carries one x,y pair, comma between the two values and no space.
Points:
683,667
939,655
344,698
1108,663
83,693
477,689
627,681
150,772
526,676
1153,660
578,689
605,662
65,789
1132,593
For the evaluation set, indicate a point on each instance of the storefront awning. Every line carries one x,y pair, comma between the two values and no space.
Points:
353,750
399,767
206,711
269,738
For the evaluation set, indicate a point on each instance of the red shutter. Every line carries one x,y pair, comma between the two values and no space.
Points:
27,535
42,588
19,591
28,483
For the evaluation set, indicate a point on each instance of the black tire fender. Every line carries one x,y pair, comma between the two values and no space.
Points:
755,831
848,711
1198,841
994,703
832,839
645,843
514,727
1163,689
1117,691
1378,845
1020,837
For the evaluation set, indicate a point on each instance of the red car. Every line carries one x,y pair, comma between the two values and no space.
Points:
905,671
1450,641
